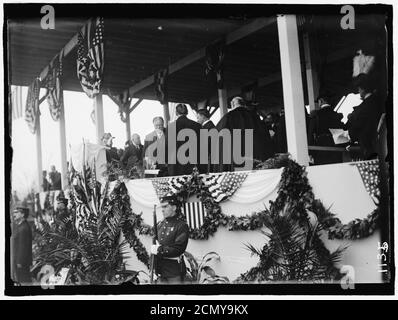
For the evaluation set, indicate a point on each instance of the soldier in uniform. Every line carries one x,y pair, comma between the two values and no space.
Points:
172,241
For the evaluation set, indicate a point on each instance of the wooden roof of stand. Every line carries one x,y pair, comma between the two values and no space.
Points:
138,48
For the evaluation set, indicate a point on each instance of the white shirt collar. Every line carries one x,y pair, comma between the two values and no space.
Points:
205,122
325,105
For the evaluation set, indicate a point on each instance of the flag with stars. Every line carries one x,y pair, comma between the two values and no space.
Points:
52,82
169,186
369,171
90,56
222,186
32,105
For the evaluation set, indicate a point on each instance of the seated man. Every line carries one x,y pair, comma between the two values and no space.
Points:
173,236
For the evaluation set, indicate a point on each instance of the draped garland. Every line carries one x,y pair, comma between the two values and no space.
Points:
294,193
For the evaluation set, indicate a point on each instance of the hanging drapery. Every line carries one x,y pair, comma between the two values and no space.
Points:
53,84
90,57
123,101
161,85
32,105
362,63
215,54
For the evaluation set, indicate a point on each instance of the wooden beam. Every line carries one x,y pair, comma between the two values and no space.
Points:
62,138
232,37
223,101
39,157
99,117
312,77
293,96
67,49
128,126
135,105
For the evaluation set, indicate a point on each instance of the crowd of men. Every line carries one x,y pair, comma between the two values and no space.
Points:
268,129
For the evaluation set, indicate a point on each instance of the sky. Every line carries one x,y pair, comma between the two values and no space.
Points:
78,126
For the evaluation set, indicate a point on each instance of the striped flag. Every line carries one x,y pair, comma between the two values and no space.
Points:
32,105
16,103
90,57
195,214
54,87
223,185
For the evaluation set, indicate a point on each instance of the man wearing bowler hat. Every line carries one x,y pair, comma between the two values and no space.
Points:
172,241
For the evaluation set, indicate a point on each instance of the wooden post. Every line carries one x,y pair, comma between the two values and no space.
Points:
62,138
166,113
292,88
312,77
223,101
99,117
39,157
128,126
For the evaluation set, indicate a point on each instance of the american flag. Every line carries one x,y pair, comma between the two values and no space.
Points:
90,56
32,105
160,85
223,185
54,87
169,186
195,214
369,171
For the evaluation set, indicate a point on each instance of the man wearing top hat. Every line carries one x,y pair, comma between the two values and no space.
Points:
22,245
172,241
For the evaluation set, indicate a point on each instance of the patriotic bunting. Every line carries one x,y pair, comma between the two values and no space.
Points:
160,85
222,186
32,105
90,57
53,85
169,186
369,172
215,54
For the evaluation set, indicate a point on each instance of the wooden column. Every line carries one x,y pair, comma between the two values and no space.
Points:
223,101
293,96
62,138
99,117
166,113
39,157
128,126
312,76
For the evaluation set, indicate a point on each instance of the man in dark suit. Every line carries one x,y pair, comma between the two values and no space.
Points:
322,120
182,163
55,179
203,117
133,156
156,140
363,121
242,118
173,234
22,245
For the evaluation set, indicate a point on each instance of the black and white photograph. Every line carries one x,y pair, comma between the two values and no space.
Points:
198,148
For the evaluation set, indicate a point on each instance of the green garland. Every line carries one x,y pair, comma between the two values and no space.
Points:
294,193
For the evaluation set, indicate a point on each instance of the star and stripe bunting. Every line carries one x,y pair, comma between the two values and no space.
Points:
223,185
195,214
54,87
32,105
90,57
168,186
369,171
160,85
